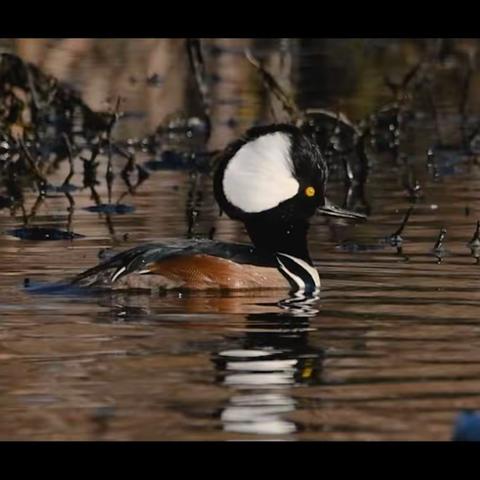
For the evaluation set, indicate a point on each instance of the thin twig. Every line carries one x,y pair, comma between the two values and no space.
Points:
287,101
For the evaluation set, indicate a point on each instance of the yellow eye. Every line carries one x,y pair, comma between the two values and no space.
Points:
309,191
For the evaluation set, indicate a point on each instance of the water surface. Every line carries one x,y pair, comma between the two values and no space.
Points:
389,351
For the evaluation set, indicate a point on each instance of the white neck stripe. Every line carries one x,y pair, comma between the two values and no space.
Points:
300,283
312,271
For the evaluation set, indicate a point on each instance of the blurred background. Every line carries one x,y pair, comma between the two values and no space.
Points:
152,75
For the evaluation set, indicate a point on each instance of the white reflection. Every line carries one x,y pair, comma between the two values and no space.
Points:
273,356
258,413
260,380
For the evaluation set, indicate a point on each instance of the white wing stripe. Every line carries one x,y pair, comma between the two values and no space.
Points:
118,273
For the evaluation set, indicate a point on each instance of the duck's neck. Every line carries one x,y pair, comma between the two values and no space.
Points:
277,237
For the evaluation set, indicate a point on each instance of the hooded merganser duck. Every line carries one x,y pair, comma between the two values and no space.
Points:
273,179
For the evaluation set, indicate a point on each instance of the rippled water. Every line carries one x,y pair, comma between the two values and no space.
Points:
389,351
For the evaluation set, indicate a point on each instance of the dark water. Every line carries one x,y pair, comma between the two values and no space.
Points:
389,351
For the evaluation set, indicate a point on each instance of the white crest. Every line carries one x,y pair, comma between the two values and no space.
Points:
260,175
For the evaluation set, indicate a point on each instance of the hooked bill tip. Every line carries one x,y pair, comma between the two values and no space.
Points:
332,210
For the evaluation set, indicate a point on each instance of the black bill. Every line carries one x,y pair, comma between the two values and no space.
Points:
332,210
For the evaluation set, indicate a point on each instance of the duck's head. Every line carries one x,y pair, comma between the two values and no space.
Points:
274,171
274,180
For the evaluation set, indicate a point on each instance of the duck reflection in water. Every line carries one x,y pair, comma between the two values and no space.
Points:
271,357
258,365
